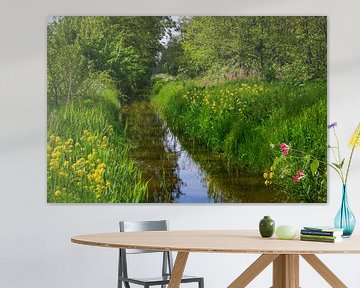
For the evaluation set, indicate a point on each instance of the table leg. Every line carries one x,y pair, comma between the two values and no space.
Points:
178,270
253,270
286,271
324,271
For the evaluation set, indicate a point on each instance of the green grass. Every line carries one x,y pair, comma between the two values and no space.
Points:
88,158
245,119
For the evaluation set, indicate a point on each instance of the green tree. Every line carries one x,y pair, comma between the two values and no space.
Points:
257,46
103,45
126,48
143,34
172,59
66,65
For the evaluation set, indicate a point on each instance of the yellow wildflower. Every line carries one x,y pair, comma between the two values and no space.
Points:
99,179
54,163
268,182
355,138
57,193
56,154
81,171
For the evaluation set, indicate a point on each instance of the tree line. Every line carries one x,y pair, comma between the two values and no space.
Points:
127,49
81,48
267,47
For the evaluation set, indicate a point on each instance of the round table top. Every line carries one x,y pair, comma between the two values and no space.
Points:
218,241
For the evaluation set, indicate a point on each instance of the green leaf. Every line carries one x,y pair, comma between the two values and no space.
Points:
339,166
336,165
307,159
342,163
314,166
276,162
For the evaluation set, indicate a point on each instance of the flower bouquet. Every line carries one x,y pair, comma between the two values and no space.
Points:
344,218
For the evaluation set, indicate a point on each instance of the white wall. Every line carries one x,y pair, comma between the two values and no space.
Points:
35,248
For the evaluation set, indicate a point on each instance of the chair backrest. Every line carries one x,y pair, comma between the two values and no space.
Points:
134,226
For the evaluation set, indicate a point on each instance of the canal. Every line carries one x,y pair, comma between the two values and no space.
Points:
179,171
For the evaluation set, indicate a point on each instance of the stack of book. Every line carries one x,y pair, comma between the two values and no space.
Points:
321,234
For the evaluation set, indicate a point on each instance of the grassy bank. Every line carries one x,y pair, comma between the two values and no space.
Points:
88,159
248,120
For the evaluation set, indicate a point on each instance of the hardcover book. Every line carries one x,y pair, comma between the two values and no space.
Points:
320,237
321,232
323,239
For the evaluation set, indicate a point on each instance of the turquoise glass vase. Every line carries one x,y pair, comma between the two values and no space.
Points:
345,219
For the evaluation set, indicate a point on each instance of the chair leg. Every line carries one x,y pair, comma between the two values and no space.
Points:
201,283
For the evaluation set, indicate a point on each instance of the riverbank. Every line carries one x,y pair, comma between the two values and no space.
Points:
87,154
179,171
244,120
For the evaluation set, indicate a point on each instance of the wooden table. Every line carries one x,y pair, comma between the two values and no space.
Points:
284,254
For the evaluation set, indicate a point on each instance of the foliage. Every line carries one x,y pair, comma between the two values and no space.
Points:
126,48
243,118
298,173
339,163
89,60
172,59
96,63
159,80
87,158
65,75
267,47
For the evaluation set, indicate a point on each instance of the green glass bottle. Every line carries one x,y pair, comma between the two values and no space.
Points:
266,226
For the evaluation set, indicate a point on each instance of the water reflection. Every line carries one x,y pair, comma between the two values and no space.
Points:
183,172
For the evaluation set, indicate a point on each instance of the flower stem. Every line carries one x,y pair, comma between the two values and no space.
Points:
348,166
338,145
340,172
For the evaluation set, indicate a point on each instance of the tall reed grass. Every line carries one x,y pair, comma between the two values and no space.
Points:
88,158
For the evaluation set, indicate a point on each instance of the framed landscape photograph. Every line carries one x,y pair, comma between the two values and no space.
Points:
177,109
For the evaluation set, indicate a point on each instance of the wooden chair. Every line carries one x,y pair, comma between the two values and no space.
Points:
167,262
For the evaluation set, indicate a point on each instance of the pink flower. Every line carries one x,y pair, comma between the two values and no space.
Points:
284,148
299,174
